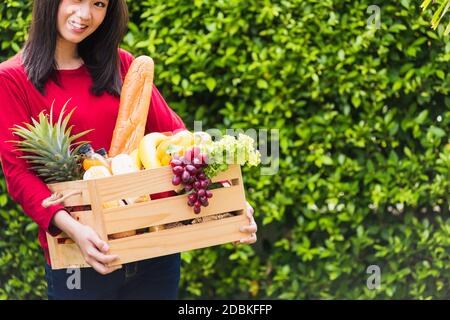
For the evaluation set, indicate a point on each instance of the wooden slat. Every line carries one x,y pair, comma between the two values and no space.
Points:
233,172
128,185
165,242
190,237
240,185
66,187
71,257
171,209
53,249
97,210
62,186
136,184
147,182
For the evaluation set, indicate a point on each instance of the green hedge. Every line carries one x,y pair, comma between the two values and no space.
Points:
363,115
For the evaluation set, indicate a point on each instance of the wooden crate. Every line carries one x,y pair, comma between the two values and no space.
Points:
147,214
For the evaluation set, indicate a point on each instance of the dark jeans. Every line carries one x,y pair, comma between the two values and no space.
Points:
156,278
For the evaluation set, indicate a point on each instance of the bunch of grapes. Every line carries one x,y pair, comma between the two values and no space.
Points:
188,170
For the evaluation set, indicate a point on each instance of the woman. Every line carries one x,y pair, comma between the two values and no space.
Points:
72,53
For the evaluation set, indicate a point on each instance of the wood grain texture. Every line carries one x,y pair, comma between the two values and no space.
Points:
67,187
169,210
179,239
97,211
148,181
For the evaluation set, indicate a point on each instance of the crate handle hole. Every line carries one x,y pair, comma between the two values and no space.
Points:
86,207
65,241
235,182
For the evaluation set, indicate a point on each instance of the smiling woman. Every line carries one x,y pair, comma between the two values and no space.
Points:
72,55
72,58
86,32
78,19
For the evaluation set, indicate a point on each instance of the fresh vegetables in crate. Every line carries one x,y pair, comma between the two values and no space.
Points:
199,164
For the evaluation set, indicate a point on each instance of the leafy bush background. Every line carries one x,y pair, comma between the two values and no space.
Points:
364,147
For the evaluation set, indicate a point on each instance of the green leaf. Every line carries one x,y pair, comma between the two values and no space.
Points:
176,78
407,152
438,132
356,100
210,84
262,84
422,117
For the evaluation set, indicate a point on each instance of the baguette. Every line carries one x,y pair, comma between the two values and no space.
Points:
134,104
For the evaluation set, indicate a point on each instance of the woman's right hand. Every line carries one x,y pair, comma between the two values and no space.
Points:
93,248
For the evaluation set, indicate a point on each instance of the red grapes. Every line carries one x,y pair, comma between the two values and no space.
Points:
188,170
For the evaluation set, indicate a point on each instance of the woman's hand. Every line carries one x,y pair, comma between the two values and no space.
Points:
93,248
251,228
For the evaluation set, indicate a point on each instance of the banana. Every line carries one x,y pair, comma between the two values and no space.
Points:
148,149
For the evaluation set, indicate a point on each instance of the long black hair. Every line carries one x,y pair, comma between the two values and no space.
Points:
99,50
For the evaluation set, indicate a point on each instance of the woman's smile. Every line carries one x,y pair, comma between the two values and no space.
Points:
78,19
77,27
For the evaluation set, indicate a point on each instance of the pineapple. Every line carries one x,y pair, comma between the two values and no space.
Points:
52,153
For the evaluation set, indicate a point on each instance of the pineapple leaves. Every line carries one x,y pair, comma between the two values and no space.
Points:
50,148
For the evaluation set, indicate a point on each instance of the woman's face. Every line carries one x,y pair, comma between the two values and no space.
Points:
77,19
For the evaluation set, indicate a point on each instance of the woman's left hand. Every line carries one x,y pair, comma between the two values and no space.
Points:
251,228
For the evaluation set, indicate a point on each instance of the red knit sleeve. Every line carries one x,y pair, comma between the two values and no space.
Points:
161,118
24,187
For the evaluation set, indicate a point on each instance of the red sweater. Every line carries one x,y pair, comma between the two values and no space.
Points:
20,101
